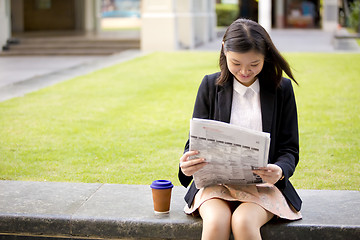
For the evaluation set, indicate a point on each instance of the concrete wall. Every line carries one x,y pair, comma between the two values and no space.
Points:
5,32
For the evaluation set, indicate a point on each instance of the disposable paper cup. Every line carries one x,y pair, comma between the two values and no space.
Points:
161,193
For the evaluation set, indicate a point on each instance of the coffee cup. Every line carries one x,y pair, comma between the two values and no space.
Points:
161,193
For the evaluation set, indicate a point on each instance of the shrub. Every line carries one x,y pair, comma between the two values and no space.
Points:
226,13
354,15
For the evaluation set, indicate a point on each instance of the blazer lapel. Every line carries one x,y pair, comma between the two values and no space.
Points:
267,100
225,102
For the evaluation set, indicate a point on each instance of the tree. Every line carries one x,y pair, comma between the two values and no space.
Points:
354,17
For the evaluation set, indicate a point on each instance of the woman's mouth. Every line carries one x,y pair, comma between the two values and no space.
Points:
245,76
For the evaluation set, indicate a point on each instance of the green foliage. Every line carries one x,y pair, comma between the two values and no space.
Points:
128,123
354,17
226,13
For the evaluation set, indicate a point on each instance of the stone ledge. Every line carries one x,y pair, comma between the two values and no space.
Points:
35,210
343,40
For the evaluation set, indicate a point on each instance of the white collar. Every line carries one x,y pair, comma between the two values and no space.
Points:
241,89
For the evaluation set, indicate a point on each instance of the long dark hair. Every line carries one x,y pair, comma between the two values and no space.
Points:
244,35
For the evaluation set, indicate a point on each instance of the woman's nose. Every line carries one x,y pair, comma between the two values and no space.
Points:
244,70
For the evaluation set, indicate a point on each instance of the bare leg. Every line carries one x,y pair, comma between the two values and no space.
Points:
247,220
216,215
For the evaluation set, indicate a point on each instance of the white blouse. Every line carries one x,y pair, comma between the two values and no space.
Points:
246,108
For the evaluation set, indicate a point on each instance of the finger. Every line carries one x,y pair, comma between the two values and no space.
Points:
268,175
192,162
187,155
261,172
193,169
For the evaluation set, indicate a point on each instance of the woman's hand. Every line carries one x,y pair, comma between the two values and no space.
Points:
270,174
189,167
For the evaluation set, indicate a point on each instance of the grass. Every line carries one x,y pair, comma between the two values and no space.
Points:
128,123
328,107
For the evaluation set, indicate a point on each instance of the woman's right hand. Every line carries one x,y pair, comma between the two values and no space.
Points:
189,167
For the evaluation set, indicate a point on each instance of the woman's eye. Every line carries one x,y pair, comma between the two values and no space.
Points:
255,65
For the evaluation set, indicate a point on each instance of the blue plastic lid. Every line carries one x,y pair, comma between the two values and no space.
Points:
161,184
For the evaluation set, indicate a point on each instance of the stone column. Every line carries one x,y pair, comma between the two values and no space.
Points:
200,18
159,25
92,16
265,14
169,25
5,24
186,23
330,15
280,13
97,16
208,20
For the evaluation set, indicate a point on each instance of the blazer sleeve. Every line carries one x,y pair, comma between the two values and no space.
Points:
201,110
287,139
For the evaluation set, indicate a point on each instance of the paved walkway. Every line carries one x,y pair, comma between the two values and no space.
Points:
21,75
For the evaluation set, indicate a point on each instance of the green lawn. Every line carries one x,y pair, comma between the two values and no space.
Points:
128,123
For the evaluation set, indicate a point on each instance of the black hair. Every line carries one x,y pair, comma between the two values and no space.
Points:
245,35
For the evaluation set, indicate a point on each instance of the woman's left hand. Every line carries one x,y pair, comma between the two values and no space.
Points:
270,174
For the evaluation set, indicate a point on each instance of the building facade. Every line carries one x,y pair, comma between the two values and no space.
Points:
31,16
166,24
308,14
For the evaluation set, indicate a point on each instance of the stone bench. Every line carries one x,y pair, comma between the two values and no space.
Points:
347,36
39,210
346,41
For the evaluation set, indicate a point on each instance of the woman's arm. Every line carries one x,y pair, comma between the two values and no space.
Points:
201,110
287,145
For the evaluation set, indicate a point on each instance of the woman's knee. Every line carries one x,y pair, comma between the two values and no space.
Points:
216,215
247,220
216,210
243,222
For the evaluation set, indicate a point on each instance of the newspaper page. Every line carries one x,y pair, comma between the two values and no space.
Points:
232,152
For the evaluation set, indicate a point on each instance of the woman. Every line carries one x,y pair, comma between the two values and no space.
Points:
249,62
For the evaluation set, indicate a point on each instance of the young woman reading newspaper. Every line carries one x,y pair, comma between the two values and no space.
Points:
249,62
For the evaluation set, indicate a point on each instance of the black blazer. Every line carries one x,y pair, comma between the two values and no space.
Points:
279,118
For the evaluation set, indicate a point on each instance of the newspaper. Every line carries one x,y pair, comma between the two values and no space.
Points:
232,152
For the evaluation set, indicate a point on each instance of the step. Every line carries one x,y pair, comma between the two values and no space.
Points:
67,46
59,52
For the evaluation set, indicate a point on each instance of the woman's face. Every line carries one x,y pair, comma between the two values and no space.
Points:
245,66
